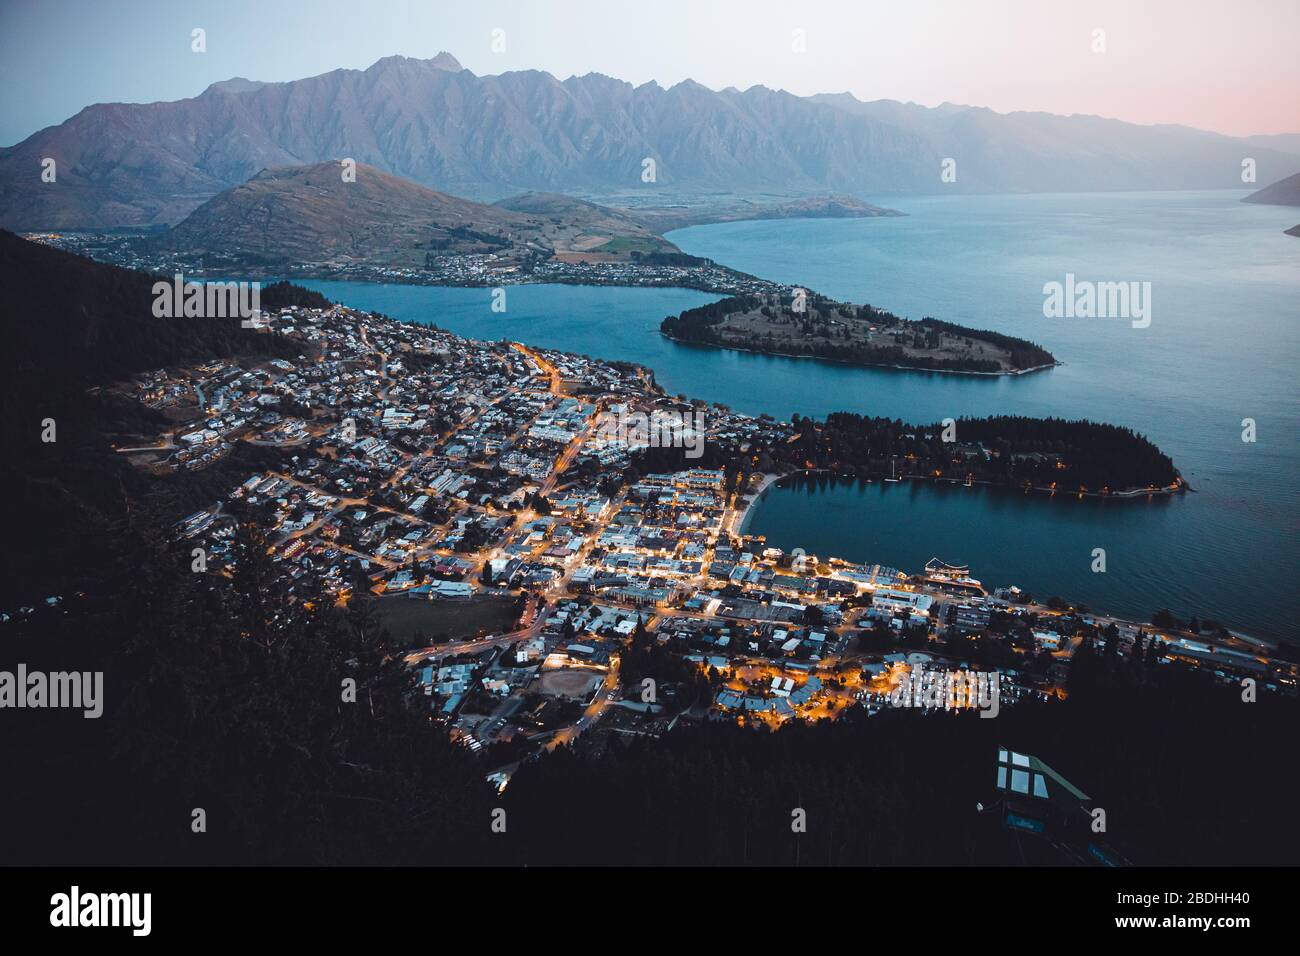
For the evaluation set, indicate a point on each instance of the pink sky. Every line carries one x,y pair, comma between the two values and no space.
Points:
1226,66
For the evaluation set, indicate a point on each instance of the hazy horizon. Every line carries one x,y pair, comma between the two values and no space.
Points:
1007,56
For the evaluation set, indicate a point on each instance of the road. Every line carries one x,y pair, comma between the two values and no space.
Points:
477,644
594,711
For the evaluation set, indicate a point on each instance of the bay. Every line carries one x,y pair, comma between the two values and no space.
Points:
1222,346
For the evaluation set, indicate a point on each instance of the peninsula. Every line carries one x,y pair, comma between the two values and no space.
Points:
806,325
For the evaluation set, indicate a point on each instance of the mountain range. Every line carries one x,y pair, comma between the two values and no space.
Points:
487,137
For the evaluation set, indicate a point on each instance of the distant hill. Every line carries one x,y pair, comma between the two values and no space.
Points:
299,215
579,229
1284,142
666,219
136,164
309,214
1284,192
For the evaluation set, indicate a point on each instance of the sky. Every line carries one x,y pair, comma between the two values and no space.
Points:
1231,67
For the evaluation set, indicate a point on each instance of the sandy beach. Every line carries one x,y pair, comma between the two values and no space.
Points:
742,514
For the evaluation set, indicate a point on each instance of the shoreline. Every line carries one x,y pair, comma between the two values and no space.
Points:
742,517
1269,645
503,280
884,365
1128,494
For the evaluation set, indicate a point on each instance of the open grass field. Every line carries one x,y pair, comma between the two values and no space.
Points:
405,617
574,684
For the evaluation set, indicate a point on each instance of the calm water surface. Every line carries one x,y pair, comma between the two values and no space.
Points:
1222,346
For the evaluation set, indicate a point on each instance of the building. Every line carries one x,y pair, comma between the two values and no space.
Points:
972,617
896,601
444,591
700,478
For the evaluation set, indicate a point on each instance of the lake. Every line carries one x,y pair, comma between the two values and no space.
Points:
1222,346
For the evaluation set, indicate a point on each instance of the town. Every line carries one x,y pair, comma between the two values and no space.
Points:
489,269
550,585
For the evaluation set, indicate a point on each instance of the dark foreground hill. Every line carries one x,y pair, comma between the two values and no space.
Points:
70,320
72,325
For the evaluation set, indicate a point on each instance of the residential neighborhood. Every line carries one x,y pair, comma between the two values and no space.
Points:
479,486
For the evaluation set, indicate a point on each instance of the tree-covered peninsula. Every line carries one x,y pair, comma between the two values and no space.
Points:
807,325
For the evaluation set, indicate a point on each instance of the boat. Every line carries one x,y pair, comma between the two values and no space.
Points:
951,576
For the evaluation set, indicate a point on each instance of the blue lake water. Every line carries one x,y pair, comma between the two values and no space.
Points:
1222,346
